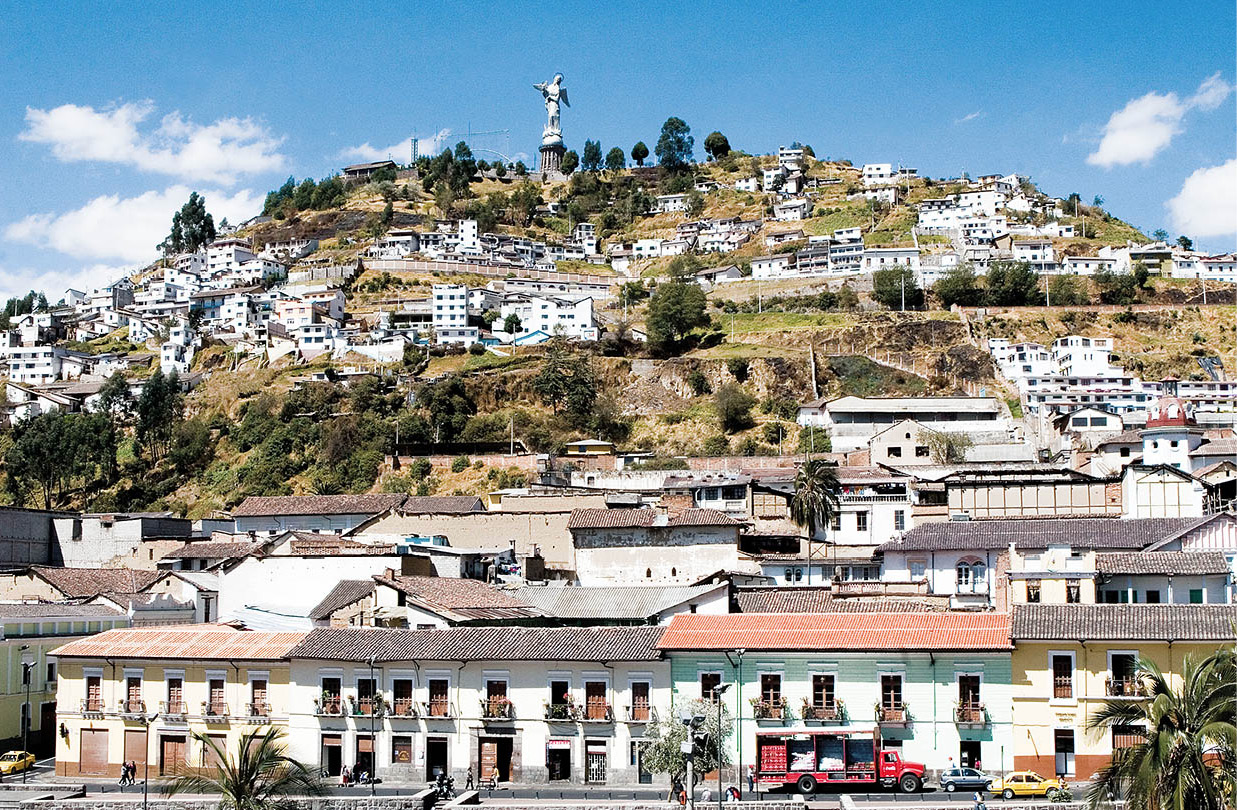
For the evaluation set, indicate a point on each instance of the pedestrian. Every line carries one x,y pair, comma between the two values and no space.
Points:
469,783
979,803
345,776
751,778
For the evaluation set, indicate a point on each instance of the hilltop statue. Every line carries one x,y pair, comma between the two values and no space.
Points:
553,92
552,148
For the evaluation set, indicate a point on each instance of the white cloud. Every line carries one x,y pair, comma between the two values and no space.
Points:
399,152
112,228
1146,125
969,117
1207,203
220,152
53,283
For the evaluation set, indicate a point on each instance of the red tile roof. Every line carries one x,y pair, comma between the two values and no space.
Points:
645,518
214,642
838,631
81,583
270,505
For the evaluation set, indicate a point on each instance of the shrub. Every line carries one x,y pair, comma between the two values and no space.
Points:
738,367
459,464
734,408
717,445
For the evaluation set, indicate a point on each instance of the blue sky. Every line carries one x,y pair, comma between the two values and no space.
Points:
113,112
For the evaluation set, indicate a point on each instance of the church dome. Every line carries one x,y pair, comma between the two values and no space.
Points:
1170,411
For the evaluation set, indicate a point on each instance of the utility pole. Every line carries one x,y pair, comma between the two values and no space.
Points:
26,667
373,736
146,721
903,291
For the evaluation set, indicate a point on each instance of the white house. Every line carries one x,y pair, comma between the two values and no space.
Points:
792,210
669,203
35,365
877,174
877,258
450,315
553,316
775,266
750,184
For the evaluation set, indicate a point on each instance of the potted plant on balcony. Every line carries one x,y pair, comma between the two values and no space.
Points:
328,703
971,714
776,709
564,710
892,715
496,708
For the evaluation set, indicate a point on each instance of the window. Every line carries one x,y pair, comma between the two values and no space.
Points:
258,705
640,708
861,521
899,520
1126,737
1196,596
596,706
894,452
1073,593
824,705
133,695
733,493
496,702
972,576
1033,586
176,696
401,694
1152,597
891,696
365,689
919,569
401,749
1062,676
835,522
439,702
560,699
1125,452
216,705
331,697
51,674
709,681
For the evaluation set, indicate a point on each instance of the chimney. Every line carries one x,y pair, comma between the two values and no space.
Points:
390,574
676,505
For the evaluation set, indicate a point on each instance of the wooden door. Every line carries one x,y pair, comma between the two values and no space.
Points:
489,759
171,755
640,701
135,747
93,750
595,700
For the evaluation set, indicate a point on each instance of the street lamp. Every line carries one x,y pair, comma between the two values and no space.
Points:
27,664
717,693
373,737
146,721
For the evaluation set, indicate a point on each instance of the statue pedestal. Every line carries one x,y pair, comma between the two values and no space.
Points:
552,157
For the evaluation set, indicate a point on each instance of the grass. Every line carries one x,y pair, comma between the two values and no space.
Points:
861,377
777,321
725,351
1015,407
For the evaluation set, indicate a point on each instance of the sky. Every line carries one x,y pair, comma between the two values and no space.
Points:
112,113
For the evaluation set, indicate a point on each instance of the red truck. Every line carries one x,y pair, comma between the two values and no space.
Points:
809,759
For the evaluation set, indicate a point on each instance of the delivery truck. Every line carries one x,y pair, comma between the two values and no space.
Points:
810,759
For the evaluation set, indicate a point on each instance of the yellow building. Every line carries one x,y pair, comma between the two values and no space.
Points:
28,632
138,695
1070,659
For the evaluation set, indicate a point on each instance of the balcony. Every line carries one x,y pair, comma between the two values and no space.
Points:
132,709
440,709
772,709
364,707
971,715
641,713
404,707
597,713
173,710
214,710
893,716
329,705
92,706
259,712
1125,688
497,708
562,712
824,712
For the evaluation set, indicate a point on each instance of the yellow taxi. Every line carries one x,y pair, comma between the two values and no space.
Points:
1026,783
16,762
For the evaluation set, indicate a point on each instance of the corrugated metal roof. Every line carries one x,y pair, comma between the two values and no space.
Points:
601,602
838,631
201,641
482,644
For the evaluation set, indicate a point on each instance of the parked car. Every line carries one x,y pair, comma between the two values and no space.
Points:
16,762
965,779
1026,783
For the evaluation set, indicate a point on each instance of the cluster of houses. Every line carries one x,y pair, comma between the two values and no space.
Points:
970,610
461,242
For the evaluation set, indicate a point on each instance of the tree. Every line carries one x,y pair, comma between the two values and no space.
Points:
1011,284
1160,235
675,309
639,152
674,145
734,407
1141,275
570,162
1067,291
115,399
35,458
158,410
1185,242
511,324
663,751
566,382
591,160
1184,756
946,448
1116,288
695,203
815,501
616,161
258,775
716,145
500,170
894,285
192,227
523,204
520,169
959,286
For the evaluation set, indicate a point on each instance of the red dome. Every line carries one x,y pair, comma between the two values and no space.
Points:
1170,411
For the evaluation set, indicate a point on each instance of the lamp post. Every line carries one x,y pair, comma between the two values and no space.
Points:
718,692
146,721
26,667
373,737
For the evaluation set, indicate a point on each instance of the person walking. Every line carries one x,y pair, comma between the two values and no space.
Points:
751,778
345,777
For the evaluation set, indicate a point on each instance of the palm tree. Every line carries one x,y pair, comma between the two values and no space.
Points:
815,501
260,776
1185,759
